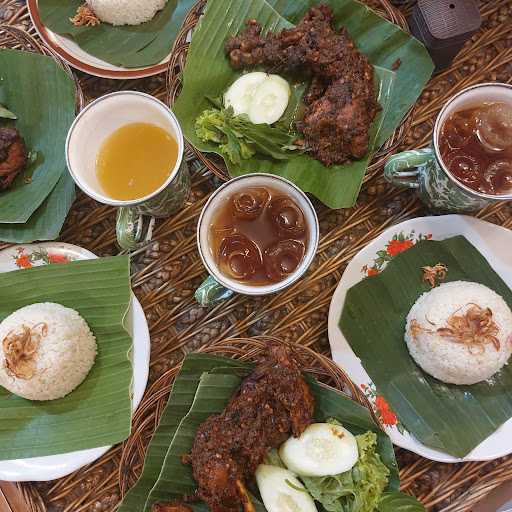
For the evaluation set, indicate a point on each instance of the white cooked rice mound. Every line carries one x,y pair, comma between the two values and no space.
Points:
126,12
64,357
447,360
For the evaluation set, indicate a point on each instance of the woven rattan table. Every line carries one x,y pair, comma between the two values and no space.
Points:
166,273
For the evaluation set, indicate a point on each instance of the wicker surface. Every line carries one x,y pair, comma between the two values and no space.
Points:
166,274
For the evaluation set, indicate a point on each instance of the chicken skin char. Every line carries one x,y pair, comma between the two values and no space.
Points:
13,156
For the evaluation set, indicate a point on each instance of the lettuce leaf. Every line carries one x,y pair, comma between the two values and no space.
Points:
239,139
357,490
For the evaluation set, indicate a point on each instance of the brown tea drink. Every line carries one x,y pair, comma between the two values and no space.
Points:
475,145
258,236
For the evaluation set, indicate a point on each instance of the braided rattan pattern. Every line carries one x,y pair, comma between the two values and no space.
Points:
166,273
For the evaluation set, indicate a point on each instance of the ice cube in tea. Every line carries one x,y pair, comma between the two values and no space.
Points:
258,236
475,145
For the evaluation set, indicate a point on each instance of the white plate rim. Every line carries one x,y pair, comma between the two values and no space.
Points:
42,469
478,232
100,68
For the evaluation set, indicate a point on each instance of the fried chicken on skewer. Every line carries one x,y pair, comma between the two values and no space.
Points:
341,102
273,402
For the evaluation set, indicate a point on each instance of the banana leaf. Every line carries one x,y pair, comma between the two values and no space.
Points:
42,96
98,412
204,386
208,73
47,221
452,419
180,401
128,46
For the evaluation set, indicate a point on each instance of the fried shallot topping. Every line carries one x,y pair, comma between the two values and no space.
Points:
85,17
475,328
432,275
20,349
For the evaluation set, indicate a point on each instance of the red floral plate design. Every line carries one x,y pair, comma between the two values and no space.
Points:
492,241
20,257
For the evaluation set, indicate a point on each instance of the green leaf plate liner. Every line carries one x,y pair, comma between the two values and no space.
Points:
47,221
452,419
98,412
208,73
128,46
45,114
204,387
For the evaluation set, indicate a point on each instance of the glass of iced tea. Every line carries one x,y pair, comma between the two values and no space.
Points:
257,234
469,163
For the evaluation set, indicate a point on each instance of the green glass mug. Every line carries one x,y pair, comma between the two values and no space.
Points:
425,171
99,119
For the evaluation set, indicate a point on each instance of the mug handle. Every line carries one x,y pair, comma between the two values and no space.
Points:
211,292
402,169
131,228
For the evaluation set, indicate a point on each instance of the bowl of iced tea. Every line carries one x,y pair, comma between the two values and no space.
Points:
469,164
257,234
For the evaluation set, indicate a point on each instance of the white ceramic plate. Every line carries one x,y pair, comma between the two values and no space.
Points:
494,242
57,466
75,56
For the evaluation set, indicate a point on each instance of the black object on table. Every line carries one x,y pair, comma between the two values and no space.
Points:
443,26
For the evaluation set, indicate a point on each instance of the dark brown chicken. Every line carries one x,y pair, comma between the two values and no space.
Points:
13,156
273,402
340,103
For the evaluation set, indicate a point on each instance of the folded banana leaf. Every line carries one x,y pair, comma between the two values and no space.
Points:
180,401
208,73
42,96
204,386
98,412
47,221
128,46
452,419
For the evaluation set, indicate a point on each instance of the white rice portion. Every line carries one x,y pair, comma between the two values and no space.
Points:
64,357
447,360
126,12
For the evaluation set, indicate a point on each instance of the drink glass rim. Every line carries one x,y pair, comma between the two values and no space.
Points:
437,129
104,199
245,289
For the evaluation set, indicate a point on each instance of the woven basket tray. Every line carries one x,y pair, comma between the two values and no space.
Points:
215,163
245,349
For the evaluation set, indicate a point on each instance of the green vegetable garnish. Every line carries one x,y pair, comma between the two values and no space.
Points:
239,139
357,490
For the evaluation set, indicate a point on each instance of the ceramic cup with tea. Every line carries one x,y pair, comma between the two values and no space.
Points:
469,164
257,234
140,129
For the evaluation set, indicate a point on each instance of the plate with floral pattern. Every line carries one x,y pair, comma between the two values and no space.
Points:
56,466
492,241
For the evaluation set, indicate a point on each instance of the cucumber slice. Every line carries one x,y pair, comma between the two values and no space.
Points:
240,95
270,100
322,449
281,491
